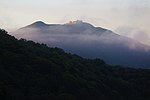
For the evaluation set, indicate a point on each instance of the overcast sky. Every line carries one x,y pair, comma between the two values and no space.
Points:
127,17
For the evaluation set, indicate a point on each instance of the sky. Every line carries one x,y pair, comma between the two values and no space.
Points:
126,17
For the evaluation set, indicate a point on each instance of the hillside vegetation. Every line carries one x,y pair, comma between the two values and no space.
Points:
33,71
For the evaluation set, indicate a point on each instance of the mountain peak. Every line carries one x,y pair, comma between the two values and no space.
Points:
75,22
80,23
38,24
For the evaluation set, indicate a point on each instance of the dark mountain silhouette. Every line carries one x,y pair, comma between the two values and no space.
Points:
88,41
33,71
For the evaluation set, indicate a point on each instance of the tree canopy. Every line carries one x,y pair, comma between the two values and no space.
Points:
33,71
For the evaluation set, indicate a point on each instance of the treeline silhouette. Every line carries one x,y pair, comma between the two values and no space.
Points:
33,71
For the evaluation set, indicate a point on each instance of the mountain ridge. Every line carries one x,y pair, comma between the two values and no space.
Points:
91,42
41,23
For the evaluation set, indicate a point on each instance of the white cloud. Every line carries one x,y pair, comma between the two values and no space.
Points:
135,33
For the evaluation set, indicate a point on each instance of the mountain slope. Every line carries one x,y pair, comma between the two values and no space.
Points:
33,71
88,41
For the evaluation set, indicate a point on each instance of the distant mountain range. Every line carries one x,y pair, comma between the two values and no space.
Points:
88,41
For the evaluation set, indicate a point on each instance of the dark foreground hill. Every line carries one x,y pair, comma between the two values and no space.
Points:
33,71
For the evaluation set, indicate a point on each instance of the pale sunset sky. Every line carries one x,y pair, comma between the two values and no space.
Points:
126,17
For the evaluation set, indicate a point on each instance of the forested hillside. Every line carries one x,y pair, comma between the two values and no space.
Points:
33,71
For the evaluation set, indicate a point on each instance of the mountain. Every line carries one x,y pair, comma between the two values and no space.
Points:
33,71
90,42
38,24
